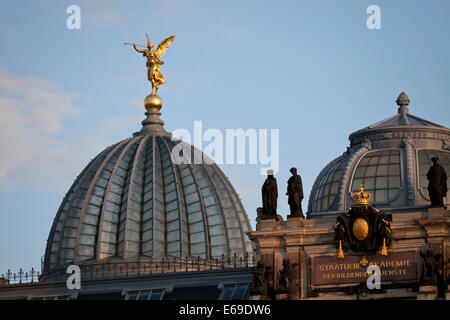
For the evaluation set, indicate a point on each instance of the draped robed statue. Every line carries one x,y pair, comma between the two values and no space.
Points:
269,192
295,194
437,183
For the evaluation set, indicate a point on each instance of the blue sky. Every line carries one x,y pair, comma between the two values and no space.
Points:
309,68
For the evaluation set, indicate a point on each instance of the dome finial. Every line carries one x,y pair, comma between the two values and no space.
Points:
403,100
152,102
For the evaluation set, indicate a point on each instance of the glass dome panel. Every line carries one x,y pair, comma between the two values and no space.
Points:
328,186
379,173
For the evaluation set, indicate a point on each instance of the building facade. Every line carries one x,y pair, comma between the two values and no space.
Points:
140,226
390,159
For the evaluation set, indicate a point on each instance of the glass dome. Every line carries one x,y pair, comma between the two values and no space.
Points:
389,158
133,202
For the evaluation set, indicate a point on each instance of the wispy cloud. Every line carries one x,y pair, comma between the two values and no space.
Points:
33,152
42,103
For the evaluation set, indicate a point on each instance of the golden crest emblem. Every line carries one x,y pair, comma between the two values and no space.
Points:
360,229
353,227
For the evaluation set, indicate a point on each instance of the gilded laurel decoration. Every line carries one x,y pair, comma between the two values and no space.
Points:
360,229
154,61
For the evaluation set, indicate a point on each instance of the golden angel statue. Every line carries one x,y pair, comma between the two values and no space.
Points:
154,61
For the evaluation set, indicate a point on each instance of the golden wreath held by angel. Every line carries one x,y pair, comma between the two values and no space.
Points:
154,60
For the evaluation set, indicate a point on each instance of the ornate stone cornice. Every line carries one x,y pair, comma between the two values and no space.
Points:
414,132
445,145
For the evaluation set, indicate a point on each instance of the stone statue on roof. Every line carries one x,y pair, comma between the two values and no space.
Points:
437,183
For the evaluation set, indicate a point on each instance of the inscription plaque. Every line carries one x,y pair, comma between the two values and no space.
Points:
396,266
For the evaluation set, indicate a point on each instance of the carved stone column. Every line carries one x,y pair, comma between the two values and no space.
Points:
437,227
293,241
408,145
269,246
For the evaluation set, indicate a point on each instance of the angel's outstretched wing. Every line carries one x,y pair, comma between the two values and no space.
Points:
162,47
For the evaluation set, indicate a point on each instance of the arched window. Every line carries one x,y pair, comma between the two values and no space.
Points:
379,173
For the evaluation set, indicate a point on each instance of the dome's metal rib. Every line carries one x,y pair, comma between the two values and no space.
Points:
51,238
97,199
125,165
52,247
159,221
349,167
171,201
214,214
193,212
248,242
236,200
87,242
234,229
184,221
66,252
176,211
143,170
133,211
231,232
195,215
107,226
147,203
243,220
202,204
221,213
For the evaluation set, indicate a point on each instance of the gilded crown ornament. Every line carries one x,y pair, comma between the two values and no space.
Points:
361,197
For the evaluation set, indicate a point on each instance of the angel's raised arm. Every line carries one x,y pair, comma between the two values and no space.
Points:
136,48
